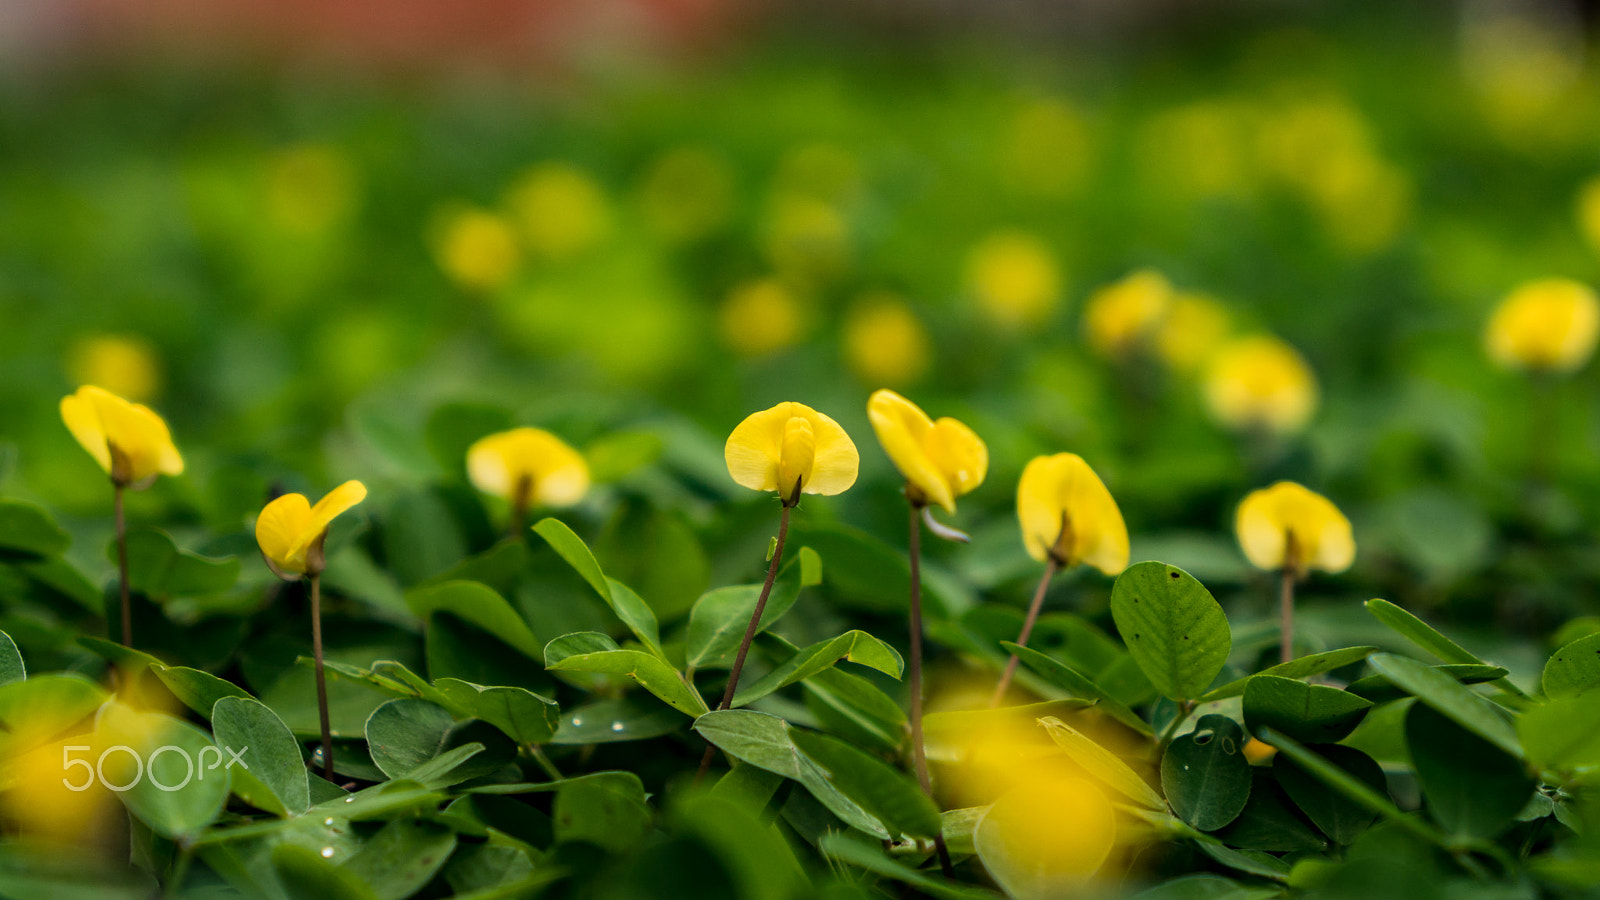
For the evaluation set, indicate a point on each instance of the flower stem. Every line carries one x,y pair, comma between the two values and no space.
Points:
749,633
919,758
1171,730
1051,567
537,752
521,499
122,565
1291,566
322,683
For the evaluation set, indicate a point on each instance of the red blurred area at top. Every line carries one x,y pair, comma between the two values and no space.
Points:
402,33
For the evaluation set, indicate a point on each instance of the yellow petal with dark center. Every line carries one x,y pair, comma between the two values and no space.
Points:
1550,324
1062,489
773,447
128,440
557,474
1322,535
903,428
796,455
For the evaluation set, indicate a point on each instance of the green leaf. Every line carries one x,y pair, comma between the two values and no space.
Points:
402,857
1102,763
1448,696
523,715
1270,821
1205,775
1425,636
421,536
1172,625
610,813
1379,689
304,873
269,754
852,646
883,791
754,852
1562,735
197,690
1068,679
42,707
633,612
1315,664
764,741
949,735
174,789
126,658
158,569
847,849
1309,713
69,873
1574,668
479,605
854,708
11,667
1473,788
403,734
1340,788
27,531
577,644
718,620
622,719
1252,862
650,672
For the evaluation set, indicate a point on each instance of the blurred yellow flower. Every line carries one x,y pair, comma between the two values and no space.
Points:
1014,277
129,441
806,238
1260,382
1194,327
1589,212
1258,753
561,210
477,249
290,530
310,188
1067,514
940,460
1047,839
1048,149
528,466
885,342
792,449
125,364
761,316
1546,325
1287,526
687,194
1123,316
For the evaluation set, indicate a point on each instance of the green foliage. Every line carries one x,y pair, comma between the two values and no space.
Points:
1172,625
1204,774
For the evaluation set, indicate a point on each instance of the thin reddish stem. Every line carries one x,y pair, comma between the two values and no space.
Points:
1051,567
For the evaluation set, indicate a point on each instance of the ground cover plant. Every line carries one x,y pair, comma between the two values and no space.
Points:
829,471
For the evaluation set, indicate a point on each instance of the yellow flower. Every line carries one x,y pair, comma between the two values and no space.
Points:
1124,315
129,441
806,237
1194,327
761,317
290,530
940,460
1014,277
126,365
1048,839
1288,526
885,342
1547,325
477,249
561,209
1067,513
792,449
528,466
1260,382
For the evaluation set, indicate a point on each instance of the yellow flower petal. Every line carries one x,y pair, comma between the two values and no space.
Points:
1322,535
289,526
1195,326
556,474
1260,382
940,460
1550,325
771,449
129,441
1123,315
278,528
1062,489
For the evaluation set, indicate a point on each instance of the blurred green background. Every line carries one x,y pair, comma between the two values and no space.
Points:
322,267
